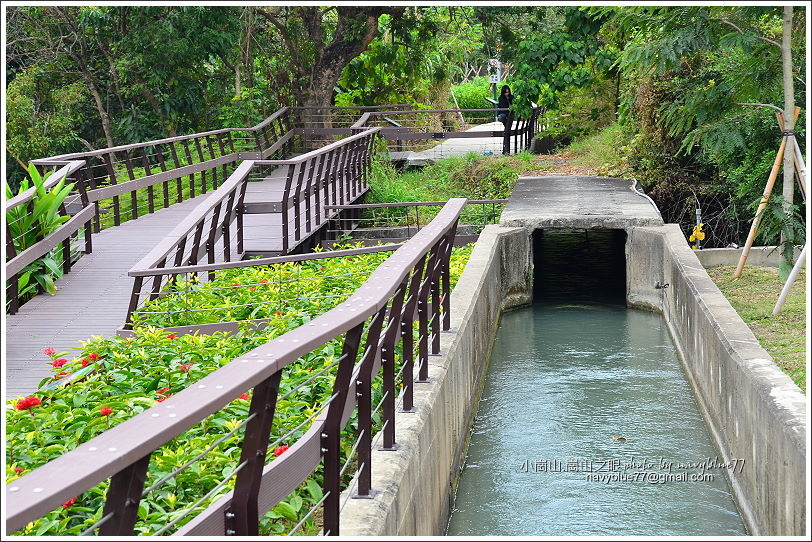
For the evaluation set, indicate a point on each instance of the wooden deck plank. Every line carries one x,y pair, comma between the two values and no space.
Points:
92,299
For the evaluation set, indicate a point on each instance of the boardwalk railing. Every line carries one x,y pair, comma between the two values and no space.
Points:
420,128
335,174
64,235
409,293
375,223
131,180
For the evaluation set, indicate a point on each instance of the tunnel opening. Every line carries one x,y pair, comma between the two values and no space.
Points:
579,265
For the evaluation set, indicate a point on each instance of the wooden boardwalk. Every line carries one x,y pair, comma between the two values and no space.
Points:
91,300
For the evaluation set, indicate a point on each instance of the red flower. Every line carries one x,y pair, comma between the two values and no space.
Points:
18,470
60,375
85,362
171,336
278,313
185,367
27,402
264,281
105,411
161,395
69,503
245,397
49,351
321,268
93,357
59,362
235,285
279,451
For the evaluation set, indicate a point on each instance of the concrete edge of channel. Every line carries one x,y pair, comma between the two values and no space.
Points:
753,409
413,485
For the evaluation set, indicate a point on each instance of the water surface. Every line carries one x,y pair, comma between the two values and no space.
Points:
563,381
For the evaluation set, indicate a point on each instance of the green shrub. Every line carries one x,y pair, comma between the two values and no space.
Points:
116,378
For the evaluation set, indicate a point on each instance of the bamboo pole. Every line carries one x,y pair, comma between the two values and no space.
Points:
790,281
779,158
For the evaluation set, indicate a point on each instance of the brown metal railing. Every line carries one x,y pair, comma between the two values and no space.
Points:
421,128
409,292
333,174
128,181
374,223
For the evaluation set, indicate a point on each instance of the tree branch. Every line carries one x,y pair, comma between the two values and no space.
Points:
761,105
740,31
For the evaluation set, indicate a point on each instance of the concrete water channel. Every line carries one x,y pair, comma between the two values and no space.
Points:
663,361
576,430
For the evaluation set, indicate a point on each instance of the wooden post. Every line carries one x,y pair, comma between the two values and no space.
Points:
779,157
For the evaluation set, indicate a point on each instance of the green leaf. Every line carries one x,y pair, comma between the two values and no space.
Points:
286,511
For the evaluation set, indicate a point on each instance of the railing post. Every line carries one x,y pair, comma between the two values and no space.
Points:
136,293
285,214
436,272
363,394
407,335
244,505
123,497
423,319
331,434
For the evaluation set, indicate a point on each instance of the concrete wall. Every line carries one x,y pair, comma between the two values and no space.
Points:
760,256
755,412
414,484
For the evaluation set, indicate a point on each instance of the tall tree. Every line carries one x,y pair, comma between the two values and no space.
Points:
321,41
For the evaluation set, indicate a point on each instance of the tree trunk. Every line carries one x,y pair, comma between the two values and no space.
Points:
789,121
105,117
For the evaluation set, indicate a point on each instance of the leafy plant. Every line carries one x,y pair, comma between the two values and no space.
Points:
782,225
30,223
115,378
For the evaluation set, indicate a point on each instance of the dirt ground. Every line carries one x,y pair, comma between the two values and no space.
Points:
557,165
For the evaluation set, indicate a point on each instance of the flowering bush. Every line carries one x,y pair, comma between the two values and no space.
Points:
116,378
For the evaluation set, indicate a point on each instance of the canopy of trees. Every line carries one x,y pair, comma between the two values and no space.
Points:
673,77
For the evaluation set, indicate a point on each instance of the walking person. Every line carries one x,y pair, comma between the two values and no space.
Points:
505,117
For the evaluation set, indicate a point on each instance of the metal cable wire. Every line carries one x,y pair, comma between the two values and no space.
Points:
310,418
244,304
314,376
197,458
261,283
351,454
98,524
312,509
200,500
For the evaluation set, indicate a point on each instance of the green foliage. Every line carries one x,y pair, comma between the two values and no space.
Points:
130,375
43,115
29,226
473,176
548,64
781,220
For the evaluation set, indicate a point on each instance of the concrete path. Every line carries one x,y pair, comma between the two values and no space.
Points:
461,146
577,202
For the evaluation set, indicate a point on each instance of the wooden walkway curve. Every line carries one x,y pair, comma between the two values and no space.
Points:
91,300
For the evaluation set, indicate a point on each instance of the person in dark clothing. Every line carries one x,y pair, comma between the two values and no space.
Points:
505,117
505,99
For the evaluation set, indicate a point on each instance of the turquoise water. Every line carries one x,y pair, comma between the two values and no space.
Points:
563,381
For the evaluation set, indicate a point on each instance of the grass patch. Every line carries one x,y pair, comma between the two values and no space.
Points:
753,295
605,151
473,176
